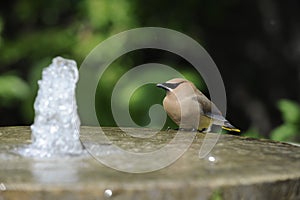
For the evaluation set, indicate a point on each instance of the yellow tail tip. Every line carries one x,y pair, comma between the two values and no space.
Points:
231,129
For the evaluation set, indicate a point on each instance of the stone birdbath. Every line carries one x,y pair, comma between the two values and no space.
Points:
48,161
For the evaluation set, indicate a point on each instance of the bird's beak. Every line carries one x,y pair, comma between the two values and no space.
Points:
161,85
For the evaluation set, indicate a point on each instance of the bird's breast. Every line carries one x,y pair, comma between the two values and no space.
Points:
172,107
185,112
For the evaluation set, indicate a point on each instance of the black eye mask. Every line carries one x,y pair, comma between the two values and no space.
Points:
172,85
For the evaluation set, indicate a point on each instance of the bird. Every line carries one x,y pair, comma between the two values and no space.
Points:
183,93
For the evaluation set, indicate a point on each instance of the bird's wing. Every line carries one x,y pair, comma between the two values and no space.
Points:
208,108
217,117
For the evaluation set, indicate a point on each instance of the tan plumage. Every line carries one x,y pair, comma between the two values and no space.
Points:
181,92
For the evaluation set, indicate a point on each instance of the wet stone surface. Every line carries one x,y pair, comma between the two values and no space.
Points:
236,168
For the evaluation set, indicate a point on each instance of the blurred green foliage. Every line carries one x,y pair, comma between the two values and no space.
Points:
216,195
32,33
247,40
253,133
13,90
290,129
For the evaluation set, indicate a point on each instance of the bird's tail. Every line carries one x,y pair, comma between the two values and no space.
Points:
227,126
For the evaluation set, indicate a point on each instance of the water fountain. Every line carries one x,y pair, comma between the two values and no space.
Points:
56,127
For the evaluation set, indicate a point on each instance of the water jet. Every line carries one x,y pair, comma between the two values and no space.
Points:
56,127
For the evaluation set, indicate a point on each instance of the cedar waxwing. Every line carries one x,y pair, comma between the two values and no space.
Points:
183,92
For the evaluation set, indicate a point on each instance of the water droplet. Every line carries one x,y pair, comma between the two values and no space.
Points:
2,187
108,193
211,159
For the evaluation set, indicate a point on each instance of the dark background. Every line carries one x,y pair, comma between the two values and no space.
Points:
255,44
